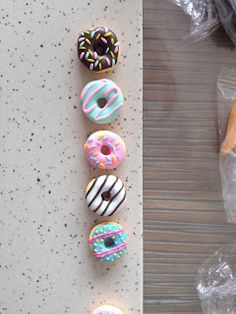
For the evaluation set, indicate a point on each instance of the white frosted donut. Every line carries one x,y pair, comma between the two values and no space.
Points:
105,194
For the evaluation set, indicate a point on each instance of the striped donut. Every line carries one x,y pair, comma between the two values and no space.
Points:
105,194
101,101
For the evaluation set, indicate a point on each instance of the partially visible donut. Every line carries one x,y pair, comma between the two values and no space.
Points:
98,49
108,241
105,195
101,101
107,309
105,149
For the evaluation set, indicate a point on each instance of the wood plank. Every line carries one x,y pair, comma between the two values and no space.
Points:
184,219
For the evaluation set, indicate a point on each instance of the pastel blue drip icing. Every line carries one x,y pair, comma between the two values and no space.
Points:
118,238
119,100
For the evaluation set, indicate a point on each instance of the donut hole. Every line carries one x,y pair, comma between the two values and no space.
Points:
101,102
105,150
109,242
106,196
100,48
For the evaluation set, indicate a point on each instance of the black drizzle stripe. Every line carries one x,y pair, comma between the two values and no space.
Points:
108,191
98,206
94,182
118,205
103,213
113,184
102,185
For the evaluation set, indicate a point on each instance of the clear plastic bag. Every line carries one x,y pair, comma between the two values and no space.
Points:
227,133
227,14
216,282
208,15
204,15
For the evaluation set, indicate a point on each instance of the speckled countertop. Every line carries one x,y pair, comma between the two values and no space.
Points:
45,263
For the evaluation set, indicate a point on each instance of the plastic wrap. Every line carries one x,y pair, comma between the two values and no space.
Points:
227,132
205,19
216,282
208,15
227,14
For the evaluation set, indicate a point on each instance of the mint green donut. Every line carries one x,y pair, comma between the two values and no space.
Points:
105,91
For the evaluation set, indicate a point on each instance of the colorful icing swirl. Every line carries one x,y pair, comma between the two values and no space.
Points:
98,49
105,194
107,309
108,242
101,101
105,149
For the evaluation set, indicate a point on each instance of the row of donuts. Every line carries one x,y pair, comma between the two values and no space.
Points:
101,101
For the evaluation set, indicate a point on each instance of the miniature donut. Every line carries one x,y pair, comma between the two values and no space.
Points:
105,194
108,241
105,149
101,101
107,309
98,49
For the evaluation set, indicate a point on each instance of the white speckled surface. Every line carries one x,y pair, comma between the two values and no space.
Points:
46,266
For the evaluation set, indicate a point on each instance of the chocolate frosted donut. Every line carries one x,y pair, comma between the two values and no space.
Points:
98,49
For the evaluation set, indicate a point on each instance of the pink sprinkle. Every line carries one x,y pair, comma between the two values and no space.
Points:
95,55
91,66
105,29
116,49
104,40
108,61
81,55
81,39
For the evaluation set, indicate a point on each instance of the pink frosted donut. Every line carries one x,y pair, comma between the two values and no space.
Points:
105,149
107,309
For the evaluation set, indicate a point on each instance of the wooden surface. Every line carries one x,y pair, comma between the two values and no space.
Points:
184,220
